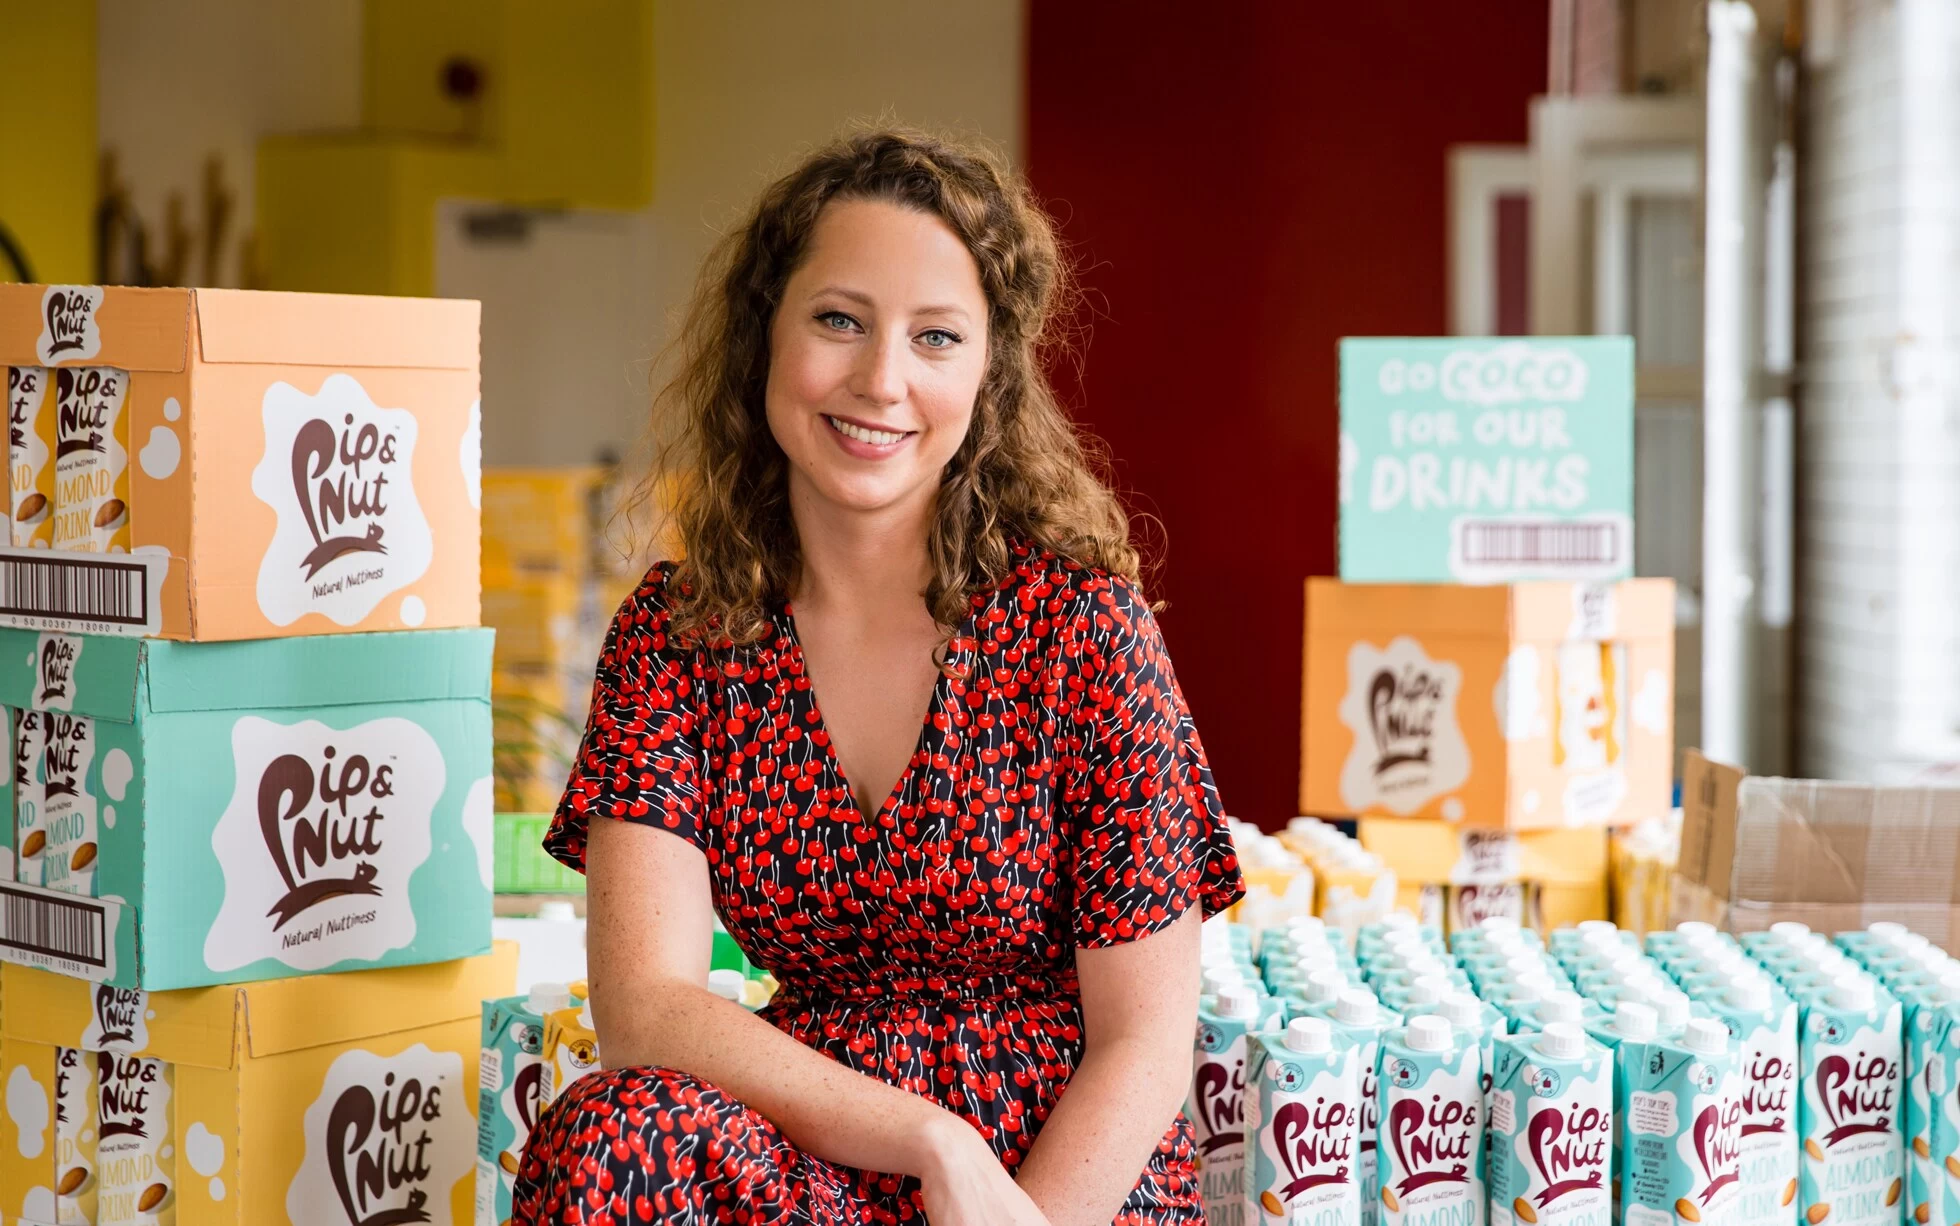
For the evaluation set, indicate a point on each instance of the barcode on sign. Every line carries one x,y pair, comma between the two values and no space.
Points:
1551,543
73,929
86,589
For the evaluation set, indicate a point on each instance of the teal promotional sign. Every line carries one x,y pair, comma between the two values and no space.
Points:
1486,459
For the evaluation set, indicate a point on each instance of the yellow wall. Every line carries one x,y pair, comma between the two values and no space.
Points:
47,135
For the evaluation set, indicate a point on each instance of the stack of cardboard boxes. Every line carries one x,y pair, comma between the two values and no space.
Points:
245,912
1485,688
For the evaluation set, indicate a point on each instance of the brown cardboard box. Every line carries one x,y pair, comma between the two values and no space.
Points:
1831,855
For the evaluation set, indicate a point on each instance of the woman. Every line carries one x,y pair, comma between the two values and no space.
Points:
883,504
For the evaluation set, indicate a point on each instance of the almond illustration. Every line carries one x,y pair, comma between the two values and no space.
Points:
508,1161
31,507
1953,1166
1270,1203
110,512
1817,1213
1892,1193
83,857
152,1197
1523,1209
1789,1191
1920,1147
1811,1147
1686,1211
1923,1214
1388,1198
72,1181
34,844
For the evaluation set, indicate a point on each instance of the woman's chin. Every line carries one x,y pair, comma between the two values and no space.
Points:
861,493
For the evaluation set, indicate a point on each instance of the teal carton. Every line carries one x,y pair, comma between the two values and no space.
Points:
1850,1063
1624,1033
1763,1023
1430,1142
1681,1152
1551,1129
1483,460
1943,1092
1302,1118
1361,1021
1928,1016
1216,1106
255,809
510,1092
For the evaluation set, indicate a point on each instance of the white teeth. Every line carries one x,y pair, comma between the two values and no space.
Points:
861,434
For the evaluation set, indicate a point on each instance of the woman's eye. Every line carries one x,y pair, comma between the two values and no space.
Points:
938,338
836,321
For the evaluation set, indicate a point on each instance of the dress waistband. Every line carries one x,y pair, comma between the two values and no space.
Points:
908,986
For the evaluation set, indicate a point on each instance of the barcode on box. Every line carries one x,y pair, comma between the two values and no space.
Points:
83,593
1548,543
48,925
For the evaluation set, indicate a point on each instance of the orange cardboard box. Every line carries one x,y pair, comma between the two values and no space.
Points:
1522,707
297,463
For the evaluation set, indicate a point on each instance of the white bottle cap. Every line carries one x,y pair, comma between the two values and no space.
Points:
1912,942
548,998
1428,1033
1400,921
1853,992
1705,1036
1789,930
585,1015
1529,990
1238,1001
1404,939
1316,960
1633,1020
1309,1034
1218,979
726,984
1325,986
1945,990
1887,931
1462,1011
1951,979
1672,1009
1301,925
1607,927
1497,923
1749,993
1524,963
1425,992
1564,1007
1696,930
557,911
1562,1041
1356,1007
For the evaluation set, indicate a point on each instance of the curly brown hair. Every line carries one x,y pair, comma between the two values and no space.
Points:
1022,473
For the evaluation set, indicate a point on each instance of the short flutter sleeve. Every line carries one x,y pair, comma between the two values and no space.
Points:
1149,834
639,760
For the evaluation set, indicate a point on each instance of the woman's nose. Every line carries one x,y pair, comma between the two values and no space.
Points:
880,374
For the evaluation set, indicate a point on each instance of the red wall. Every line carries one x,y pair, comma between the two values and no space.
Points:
1242,183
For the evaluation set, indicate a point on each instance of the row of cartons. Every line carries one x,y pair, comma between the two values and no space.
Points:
251,740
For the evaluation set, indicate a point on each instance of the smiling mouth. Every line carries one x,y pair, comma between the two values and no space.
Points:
864,434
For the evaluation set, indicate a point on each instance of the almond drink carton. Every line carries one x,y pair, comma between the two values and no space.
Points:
570,1048
134,1160
510,1091
1928,1017
1217,1103
91,467
1850,1070
1683,1117
74,1137
1764,1026
1359,1019
30,456
1302,1115
1429,1146
1551,1129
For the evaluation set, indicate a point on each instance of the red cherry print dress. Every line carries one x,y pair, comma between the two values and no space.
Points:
1058,800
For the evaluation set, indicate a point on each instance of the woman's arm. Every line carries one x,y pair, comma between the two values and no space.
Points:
1139,1012
648,940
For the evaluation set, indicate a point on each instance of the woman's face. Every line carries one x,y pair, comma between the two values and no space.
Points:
875,357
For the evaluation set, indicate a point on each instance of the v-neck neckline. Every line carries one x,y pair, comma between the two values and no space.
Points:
935,705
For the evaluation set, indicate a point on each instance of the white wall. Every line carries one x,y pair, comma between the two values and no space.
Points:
179,80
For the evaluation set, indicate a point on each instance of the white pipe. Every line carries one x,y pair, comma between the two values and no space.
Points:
1731,456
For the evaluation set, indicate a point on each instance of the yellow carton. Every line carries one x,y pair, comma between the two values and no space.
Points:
347,1097
328,444
541,523
540,629
1548,878
1525,707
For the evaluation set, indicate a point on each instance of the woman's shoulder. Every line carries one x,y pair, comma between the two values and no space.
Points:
1069,593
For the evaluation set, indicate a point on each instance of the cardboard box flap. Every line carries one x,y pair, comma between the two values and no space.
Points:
336,329
196,1026
1336,608
136,329
319,670
92,675
283,1015
1559,612
1806,841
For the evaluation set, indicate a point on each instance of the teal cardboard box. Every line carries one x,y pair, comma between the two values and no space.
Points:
1486,460
212,813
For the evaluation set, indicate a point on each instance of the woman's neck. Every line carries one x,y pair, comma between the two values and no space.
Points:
861,563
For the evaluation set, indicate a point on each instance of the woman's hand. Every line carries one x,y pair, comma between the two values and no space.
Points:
964,1184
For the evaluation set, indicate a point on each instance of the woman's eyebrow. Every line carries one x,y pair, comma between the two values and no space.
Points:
863,299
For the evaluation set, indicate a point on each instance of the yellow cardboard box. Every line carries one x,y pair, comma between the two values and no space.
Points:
328,444
1444,854
541,523
344,1098
1524,707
